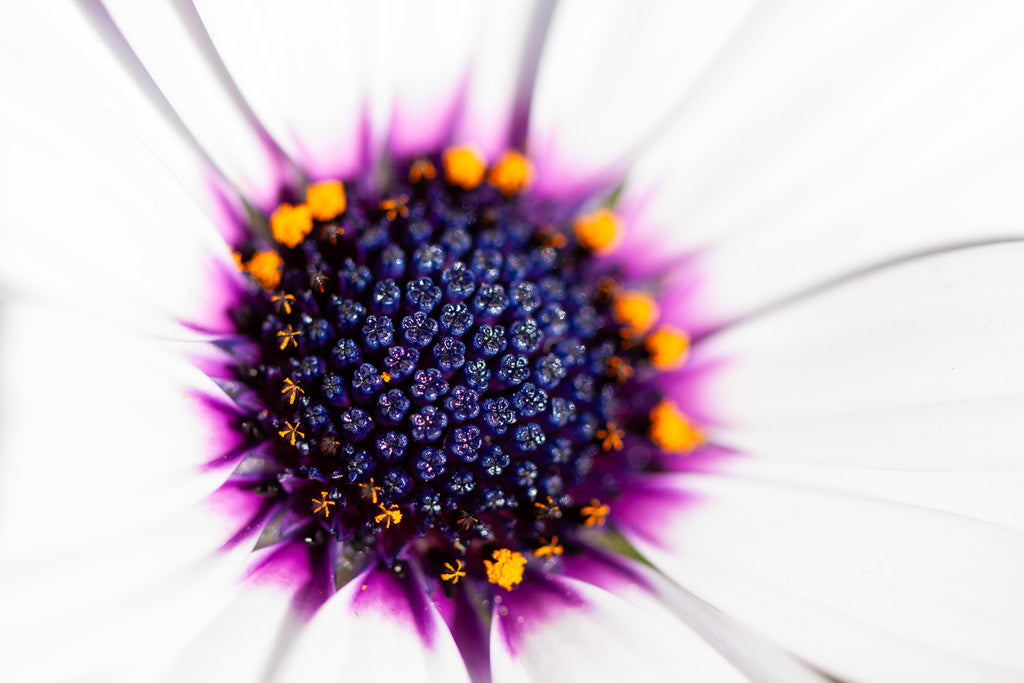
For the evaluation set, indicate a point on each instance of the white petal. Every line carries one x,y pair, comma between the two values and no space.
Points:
114,427
504,68
827,142
377,627
563,629
58,73
303,67
931,596
65,631
91,217
911,367
421,66
641,586
243,641
173,46
611,76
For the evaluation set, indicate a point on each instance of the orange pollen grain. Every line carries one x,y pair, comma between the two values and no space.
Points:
599,231
636,310
672,431
512,173
326,199
668,347
507,568
290,224
238,260
265,266
464,166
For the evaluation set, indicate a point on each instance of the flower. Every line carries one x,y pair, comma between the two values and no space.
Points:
829,192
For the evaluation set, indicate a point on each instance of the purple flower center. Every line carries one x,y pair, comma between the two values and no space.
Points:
441,367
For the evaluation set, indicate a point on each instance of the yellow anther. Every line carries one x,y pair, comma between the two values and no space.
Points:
373,489
265,266
291,390
464,166
393,208
420,170
668,347
388,515
287,336
600,231
549,549
238,260
290,224
290,432
454,572
595,513
283,302
672,431
636,311
547,508
620,369
611,437
322,504
326,199
512,173
386,377
507,568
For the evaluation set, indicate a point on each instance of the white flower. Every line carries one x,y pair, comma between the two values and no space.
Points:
833,189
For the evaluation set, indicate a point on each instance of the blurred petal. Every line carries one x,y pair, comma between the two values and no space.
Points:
932,596
304,68
564,629
612,75
639,585
56,65
504,69
421,68
108,550
172,44
379,626
914,367
827,141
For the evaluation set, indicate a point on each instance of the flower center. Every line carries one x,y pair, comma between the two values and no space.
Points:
445,367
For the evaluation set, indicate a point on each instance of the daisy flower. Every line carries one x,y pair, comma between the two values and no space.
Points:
516,341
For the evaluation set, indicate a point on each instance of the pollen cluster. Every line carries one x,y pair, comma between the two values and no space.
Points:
441,366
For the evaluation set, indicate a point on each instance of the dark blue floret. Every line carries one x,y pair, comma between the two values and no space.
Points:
456,319
387,297
401,361
450,354
418,329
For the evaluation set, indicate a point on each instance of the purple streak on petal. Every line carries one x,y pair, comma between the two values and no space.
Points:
240,504
559,182
688,387
344,163
294,567
402,597
603,570
709,458
532,51
218,419
469,632
644,506
211,307
538,598
426,129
